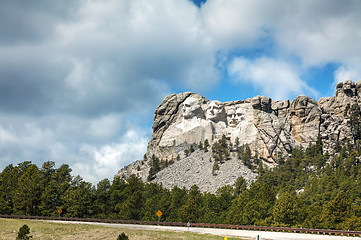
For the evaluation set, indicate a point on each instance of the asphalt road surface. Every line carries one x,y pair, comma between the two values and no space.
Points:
229,232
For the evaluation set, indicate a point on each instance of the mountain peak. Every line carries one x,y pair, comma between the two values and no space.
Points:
269,129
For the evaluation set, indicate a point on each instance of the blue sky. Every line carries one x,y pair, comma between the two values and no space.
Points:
80,80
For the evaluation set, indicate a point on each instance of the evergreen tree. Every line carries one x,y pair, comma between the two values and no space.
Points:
155,198
155,167
23,233
191,149
246,156
8,183
336,211
355,122
200,146
225,196
78,198
49,189
131,208
178,198
215,168
28,192
118,194
101,199
289,210
189,211
122,236
240,186
206,145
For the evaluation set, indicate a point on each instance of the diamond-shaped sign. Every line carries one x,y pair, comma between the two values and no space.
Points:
159,213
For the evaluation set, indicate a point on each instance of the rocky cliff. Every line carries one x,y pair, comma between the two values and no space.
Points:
184,122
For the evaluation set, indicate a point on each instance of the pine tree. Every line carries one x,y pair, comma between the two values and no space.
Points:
336,211
23,233
78,198
122,236
101,199
289,210
206,145
215,168
240,186
28,193
200,146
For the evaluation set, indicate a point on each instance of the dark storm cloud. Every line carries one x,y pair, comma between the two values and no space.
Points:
32,21
95,59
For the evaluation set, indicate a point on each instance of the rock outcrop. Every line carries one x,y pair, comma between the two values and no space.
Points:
270,129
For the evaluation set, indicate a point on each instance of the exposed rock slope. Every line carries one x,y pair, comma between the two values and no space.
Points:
271,129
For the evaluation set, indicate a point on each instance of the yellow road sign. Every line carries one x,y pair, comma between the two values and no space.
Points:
59,210
159,213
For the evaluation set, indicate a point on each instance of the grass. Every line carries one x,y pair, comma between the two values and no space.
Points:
45,230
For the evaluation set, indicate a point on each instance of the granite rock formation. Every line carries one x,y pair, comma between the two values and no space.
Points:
271,129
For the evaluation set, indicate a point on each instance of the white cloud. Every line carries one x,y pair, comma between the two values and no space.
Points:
276,79
94,148
106,160
351,71
237,23
139,40
320,31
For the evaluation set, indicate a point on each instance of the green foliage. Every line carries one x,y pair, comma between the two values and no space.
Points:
289,210
122,236
353,113
23,233
215,168
240,186
191,148
200,146
78,198
337,211
28,192
206,145
252,206
313,190
155,167
246,156
220,150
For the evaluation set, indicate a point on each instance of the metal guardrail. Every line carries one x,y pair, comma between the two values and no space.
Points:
204,225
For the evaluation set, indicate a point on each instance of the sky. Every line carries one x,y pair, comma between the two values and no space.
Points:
80,79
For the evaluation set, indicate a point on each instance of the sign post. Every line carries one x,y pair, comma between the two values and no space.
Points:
60,211
188,225
159,214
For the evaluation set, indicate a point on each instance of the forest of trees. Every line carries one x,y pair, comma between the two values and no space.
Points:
310,190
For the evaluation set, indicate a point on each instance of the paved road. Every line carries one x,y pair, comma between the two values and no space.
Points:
230,232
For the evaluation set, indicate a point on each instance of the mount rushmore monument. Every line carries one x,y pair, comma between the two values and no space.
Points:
271,129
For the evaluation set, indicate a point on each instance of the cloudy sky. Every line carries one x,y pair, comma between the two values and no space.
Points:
80,79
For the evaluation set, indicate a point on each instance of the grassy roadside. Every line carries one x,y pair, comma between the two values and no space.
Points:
58,231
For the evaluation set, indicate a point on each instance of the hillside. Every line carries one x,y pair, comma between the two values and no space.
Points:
311,189
241,135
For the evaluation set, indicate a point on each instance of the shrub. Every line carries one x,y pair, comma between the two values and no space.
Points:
23,233
122,236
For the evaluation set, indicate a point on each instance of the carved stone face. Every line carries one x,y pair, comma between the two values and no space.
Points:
191,108
215,111
234,117
239,115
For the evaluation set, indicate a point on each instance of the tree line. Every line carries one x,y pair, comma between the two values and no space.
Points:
310,190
